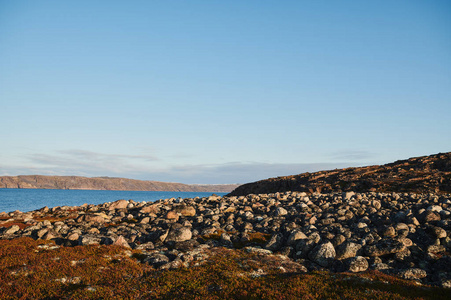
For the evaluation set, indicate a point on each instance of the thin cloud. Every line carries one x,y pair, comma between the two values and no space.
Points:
244,172
96,155
351,155
92,164
75,162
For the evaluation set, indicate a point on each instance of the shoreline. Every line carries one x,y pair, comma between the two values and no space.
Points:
401,234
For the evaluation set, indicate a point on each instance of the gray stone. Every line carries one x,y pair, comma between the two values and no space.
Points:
274,243
179,234
384,246
89,239
347,250
323,254
356,264
257,250
294,236
157,260
413,273
94,239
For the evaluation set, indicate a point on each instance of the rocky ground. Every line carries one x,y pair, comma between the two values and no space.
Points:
406,235
423,174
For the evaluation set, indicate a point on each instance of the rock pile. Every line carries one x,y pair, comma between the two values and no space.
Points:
403,234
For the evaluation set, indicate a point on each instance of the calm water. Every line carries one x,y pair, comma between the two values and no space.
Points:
31,199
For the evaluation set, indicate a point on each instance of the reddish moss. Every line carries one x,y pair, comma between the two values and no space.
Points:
32,269
214,236
18,223
259,237
51,219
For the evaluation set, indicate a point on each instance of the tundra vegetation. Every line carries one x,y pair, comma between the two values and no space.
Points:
40,269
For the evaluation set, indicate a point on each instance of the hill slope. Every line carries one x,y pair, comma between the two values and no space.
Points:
105,183
419,175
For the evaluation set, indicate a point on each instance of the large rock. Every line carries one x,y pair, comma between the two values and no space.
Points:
294,236
94,239
437,232
50,234
73,236
356,264
11,230
384,247
91,218
323,254
150,209
280,211
172,215
347,250
118,204
413,273
429,216
187,211
274,243
179,234
120,241
157,260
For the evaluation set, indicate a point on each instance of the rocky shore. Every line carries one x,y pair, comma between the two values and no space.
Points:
402,234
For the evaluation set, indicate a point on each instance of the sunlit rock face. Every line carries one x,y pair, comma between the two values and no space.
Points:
417,175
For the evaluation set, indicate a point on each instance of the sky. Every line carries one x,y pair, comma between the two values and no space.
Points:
218,92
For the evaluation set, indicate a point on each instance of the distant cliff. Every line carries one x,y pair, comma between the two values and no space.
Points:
426,174
105,183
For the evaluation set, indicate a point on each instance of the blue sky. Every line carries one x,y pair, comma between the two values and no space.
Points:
221,91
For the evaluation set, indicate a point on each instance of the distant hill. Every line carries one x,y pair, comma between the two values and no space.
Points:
418,175
105,183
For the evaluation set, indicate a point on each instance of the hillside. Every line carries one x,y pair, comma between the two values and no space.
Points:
418,175
105,183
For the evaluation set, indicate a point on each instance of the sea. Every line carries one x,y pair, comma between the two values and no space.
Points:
31,199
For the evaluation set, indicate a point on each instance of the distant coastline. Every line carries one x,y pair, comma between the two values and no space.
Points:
106,183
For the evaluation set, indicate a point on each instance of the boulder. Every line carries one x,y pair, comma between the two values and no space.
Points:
384,247
157,260
356,264
120,241
280,211
323,254
347,250
186,211
179,234
73,236
274,243
413,273
172,215
150,209
294,236
94,239
11,230
118,204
